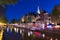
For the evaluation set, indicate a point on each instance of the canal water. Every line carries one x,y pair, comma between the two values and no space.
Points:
20,34
11,35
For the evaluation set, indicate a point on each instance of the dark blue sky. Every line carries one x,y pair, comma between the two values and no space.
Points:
17,10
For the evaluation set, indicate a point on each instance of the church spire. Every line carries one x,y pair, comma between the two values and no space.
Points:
38,10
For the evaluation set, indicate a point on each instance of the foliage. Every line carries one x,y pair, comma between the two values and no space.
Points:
13,21
7,1
56,13
3,20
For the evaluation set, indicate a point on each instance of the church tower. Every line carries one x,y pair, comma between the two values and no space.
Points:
38,10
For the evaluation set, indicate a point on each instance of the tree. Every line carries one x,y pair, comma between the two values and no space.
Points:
3,7
56,13
7,2
4,4
3,20
14,21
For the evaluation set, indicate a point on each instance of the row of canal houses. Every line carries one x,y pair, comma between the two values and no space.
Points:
40,19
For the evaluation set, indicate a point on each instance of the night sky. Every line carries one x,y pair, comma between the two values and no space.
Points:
17,10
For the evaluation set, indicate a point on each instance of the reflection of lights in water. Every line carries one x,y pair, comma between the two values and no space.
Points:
56,39
7,29
11,29
43,35
15,29
23,30
51,39
37,34
31,32
20,31
1,35
28,33
47,37
22,34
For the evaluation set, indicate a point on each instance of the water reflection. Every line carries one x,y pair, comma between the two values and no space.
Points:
11,35
43,35
50,38
15,29
20,31
56,39
21,34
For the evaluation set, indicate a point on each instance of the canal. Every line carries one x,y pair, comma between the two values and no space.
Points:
24,34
